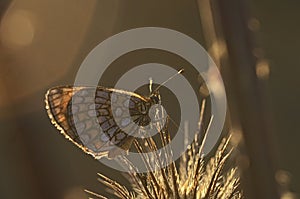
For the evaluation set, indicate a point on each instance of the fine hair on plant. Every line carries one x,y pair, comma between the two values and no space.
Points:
193,176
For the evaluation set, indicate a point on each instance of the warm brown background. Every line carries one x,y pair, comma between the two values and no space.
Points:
44,42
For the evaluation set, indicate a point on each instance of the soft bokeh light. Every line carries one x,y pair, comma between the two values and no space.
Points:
17,29
263,69
39,42
218,49
75,193
254,24
289,195
237,136
283,177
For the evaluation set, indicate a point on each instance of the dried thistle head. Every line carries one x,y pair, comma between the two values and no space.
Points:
193,178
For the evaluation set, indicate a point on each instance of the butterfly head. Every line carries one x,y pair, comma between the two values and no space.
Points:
155,98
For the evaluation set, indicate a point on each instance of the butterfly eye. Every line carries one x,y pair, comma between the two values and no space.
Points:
155,98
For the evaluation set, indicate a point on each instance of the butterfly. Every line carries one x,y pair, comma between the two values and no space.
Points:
96,119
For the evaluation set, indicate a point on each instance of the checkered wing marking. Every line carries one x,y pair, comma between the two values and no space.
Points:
89,123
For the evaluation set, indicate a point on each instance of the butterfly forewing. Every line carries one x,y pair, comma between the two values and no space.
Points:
85,116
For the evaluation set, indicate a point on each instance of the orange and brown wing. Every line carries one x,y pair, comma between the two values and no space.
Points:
85,116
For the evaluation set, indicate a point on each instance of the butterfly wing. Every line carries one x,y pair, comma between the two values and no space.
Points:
85,116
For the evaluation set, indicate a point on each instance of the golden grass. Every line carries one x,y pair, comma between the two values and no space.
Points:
193,178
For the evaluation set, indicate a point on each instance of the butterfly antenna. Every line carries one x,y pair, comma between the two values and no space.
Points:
179,72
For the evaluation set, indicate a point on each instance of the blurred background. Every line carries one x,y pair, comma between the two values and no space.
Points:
42,44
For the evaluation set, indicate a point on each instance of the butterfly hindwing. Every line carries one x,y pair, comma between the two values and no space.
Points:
85,116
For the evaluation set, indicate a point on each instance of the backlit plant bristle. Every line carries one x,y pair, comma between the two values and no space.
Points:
193,178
